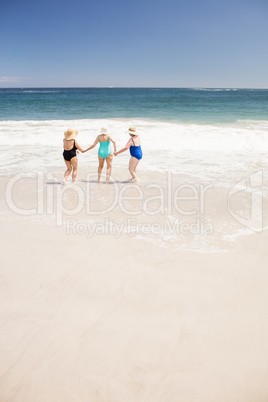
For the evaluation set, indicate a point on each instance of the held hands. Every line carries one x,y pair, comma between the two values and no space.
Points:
115,153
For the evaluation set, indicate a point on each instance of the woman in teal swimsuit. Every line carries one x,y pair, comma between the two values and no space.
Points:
105,151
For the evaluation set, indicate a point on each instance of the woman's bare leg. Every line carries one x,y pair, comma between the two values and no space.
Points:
132,167
135,167
101,163
109,161
74,163
68,171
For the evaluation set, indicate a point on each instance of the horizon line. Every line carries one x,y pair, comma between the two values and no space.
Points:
129,87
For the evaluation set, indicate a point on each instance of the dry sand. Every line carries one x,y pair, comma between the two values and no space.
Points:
124,320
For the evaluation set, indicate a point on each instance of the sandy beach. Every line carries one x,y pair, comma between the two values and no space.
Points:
118,318
148,290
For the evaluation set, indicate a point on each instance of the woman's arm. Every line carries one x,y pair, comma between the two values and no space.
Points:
78,147
113,141
123,149
93,145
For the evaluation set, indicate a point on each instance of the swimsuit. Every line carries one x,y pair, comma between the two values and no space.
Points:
135,151
68,155
105,148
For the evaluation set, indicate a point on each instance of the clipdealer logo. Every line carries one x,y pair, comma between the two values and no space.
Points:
253,186
186,199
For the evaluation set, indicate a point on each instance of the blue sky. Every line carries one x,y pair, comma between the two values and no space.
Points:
167,43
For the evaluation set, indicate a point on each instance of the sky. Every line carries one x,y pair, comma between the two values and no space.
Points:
141,43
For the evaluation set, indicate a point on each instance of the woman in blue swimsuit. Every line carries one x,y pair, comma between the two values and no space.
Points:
134,146
105,151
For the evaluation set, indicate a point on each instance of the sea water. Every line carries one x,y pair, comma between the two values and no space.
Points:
193,105
202,135
181,129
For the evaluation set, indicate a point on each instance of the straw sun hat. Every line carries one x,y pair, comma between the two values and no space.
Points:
132,130
70,134
104,130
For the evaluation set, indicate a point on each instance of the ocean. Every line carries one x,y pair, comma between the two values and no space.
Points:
198,105
199,131
192,137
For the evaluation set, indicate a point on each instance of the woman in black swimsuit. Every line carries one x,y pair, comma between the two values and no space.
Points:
70,145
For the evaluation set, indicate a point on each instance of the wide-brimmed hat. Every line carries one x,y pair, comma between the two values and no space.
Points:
70,134
132,130
104,130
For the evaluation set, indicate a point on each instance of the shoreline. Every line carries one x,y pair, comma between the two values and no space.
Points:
165,208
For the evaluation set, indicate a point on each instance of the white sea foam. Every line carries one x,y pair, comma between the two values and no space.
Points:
240,137
39,92
215,89
221,154
202,149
